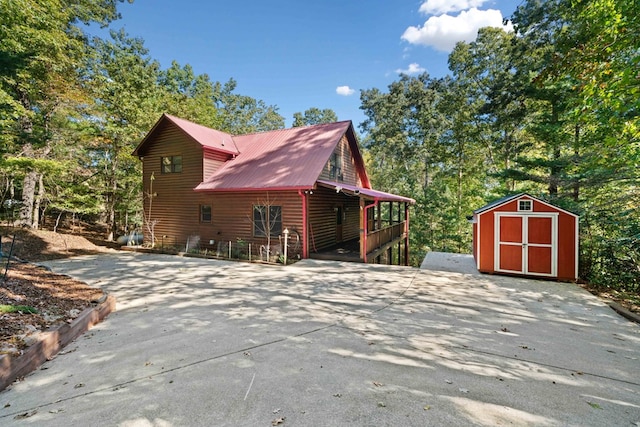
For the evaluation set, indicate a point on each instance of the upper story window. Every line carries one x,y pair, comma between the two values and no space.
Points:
171,164
335,167
525,205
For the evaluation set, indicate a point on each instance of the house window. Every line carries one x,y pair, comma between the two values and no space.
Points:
205,213
267,220
525,205
335,167
171,164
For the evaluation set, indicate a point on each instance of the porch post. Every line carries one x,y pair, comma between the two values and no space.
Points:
406,230
363,231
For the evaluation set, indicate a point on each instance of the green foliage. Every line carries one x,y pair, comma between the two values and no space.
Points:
242,114
314,116
17,309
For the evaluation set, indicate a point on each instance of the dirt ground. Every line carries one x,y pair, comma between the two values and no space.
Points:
54,298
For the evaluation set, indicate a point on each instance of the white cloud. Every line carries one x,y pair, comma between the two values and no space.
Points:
414,68
344,90
438,7
443,32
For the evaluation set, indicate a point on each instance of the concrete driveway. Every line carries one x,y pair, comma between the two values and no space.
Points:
202,342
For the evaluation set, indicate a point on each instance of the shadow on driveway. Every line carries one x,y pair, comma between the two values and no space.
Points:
202,342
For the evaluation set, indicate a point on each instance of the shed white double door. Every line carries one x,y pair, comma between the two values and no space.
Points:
526,243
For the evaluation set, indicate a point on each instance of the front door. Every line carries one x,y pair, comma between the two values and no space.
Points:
526,244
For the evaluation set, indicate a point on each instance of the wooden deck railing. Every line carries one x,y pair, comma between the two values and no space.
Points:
378,238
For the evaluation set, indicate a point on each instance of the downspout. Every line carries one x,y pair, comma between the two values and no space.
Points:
366,227
305,245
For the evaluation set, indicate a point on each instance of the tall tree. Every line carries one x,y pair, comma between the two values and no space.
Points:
123,80
314,116
190,96
42,47
591,52
494,79
242,114
413,149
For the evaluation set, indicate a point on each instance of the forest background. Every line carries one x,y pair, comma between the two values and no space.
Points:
550,109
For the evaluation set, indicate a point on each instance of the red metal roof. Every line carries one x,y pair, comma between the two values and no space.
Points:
208,138
367,193
278,160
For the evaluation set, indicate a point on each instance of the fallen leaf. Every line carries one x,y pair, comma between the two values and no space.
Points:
427,407
278,421
377,384
594,405
381,405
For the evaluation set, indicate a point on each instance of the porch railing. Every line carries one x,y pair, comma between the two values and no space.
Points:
378,238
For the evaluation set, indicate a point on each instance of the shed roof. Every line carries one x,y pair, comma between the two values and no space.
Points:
508,199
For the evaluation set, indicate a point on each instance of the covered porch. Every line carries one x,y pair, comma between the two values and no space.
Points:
382,233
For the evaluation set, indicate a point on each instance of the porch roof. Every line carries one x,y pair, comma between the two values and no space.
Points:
366,193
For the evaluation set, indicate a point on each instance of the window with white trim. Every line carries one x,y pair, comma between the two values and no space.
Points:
525,205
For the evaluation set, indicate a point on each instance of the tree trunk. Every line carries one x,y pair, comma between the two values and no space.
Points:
38,203
28,199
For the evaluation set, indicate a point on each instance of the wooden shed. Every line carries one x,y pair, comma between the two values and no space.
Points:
523,235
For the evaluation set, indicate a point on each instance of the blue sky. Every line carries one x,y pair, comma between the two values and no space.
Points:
298,54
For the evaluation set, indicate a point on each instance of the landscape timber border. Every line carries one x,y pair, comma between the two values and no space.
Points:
49,343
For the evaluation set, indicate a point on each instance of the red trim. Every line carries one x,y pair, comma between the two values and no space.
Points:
406,241
246,190
217,150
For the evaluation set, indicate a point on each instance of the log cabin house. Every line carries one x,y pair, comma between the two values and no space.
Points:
206,185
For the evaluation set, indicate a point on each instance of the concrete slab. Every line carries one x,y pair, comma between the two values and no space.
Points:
202,342
453,263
